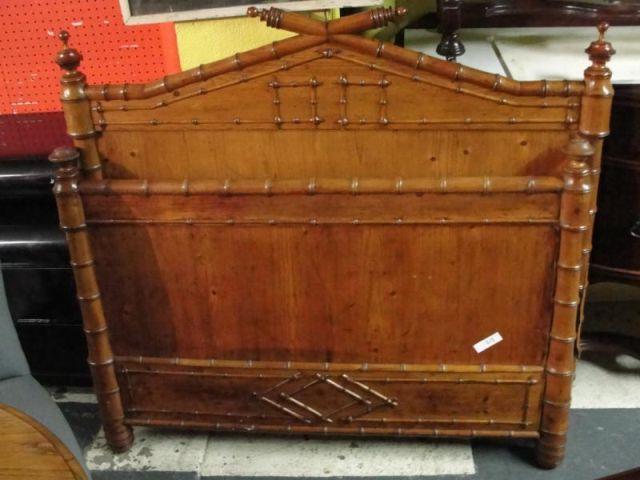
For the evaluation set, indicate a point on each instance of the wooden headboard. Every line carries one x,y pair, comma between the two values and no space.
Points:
330,199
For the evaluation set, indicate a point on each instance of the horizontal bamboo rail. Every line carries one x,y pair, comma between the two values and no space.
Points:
361,367
263,417
424,380
484,185
458,72
110,222
326,430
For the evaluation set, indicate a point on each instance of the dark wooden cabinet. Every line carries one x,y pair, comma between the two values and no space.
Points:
616,243
33,256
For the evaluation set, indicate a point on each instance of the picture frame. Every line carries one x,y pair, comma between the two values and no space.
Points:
140,12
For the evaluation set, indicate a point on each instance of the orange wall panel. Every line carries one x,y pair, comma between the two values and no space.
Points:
113,52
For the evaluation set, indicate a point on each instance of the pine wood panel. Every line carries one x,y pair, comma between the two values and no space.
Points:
391,282
299,154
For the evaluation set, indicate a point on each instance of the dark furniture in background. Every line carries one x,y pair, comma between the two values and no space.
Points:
33,253
616,254
451,15
616,242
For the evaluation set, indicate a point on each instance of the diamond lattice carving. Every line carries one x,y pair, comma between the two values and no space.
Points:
359,399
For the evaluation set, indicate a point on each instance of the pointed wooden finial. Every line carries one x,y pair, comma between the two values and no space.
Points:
600,51
68,58
65,157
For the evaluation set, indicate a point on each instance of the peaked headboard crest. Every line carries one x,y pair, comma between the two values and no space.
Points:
339,33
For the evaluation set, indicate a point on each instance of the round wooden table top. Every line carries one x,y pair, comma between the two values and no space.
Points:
28,450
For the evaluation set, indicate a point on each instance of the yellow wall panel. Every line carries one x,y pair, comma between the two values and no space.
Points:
210,40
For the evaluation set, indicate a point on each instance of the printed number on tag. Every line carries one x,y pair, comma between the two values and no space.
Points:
488,342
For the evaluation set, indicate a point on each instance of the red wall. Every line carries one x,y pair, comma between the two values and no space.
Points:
113,52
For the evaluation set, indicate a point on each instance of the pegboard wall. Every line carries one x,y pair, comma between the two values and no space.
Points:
113,52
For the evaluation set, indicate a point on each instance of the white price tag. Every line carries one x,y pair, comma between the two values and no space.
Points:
488,342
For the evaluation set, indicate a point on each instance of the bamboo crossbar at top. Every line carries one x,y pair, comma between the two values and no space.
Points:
313,186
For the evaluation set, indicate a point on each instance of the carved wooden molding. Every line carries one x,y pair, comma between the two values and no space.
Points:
313,33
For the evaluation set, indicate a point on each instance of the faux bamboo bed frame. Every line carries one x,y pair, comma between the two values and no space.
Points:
311,236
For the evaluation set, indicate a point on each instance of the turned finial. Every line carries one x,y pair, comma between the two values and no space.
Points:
380,17
602,29
600,51
578,147
65,160
68,58
272,16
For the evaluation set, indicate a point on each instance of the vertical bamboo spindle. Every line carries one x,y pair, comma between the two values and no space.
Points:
594,125
77,109
72,222
560,365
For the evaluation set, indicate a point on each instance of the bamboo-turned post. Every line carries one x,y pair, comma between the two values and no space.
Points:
560,364
594,125
77,109
72,221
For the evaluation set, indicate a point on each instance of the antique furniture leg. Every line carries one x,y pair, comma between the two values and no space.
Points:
72,221
560,366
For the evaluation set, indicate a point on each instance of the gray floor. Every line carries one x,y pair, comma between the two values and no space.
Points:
604,438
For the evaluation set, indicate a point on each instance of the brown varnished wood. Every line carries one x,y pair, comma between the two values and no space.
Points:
314,317
574,225
330,208
594,125
76,108
258,154
392,399
315,185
